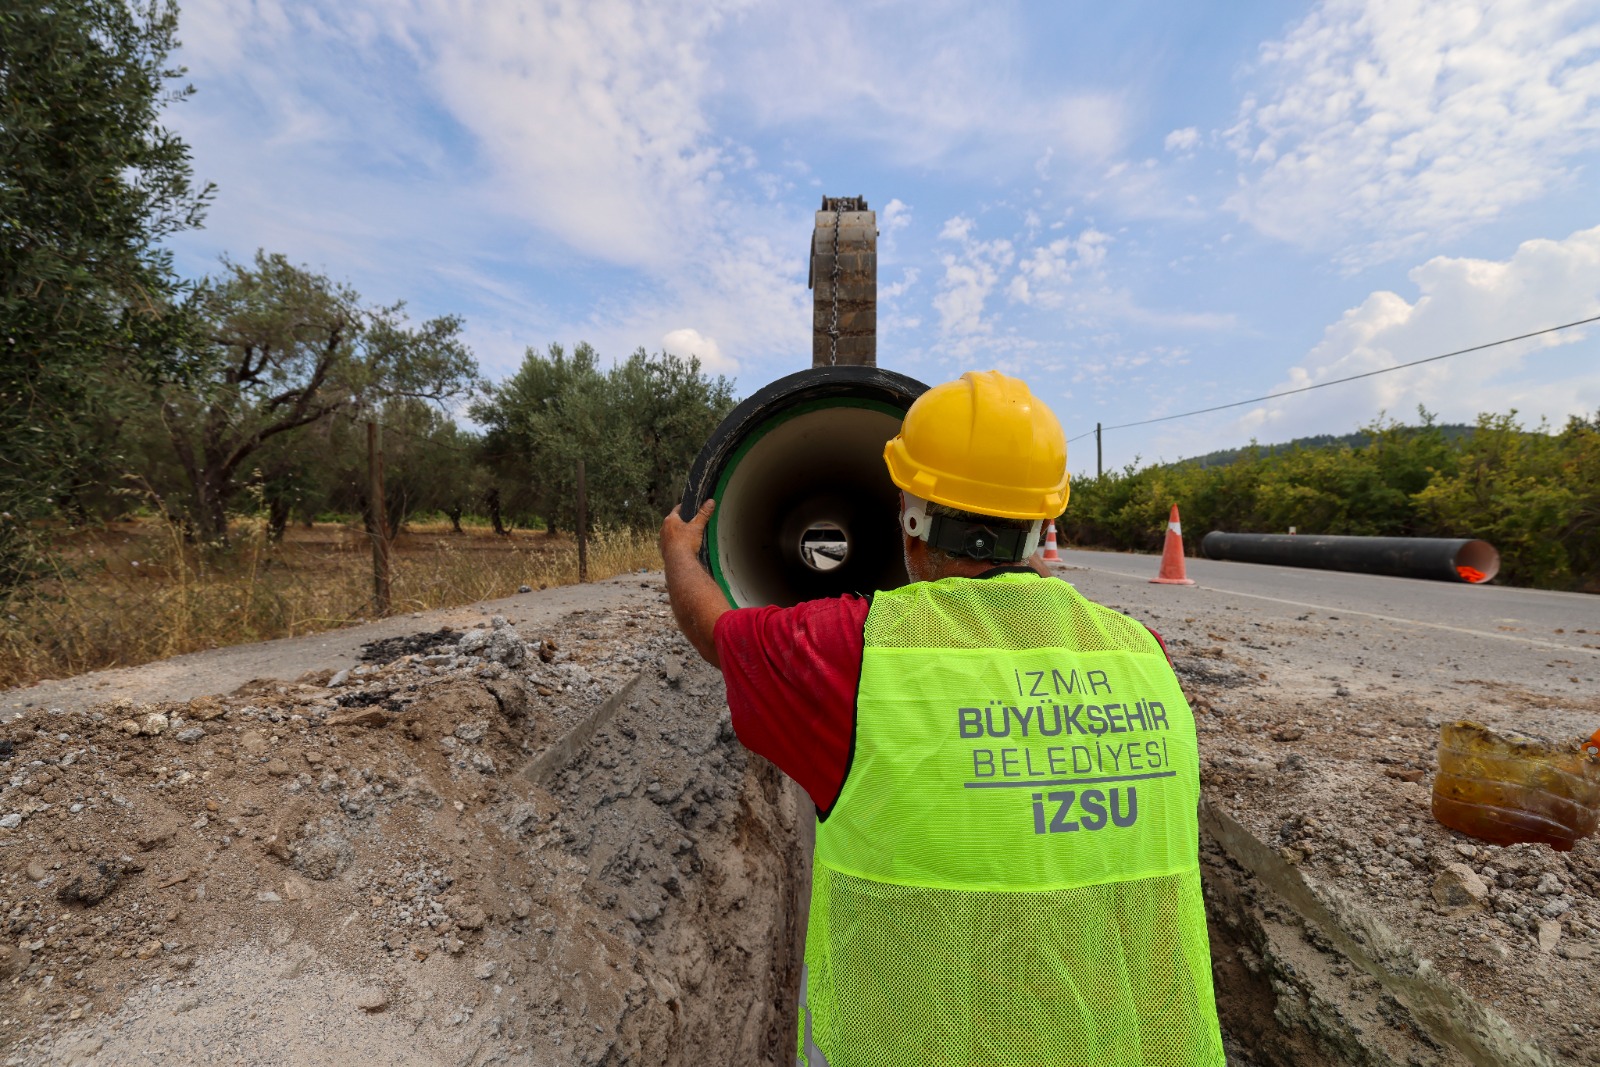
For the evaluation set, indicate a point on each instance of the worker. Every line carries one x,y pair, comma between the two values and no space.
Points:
1006,774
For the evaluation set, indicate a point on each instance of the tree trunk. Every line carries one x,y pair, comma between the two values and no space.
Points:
211,517
277,518
492,499
454,512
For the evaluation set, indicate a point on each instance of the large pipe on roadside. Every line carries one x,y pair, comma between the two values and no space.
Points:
805,507
1447,559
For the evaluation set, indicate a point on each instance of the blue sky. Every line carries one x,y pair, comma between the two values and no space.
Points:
1142,208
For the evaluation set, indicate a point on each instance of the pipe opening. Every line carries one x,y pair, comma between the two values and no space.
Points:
824,546
1477,562
813,472
805,507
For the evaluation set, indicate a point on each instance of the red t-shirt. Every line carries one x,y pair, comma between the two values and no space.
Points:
792,675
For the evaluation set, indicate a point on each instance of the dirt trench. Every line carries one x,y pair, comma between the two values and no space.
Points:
493,845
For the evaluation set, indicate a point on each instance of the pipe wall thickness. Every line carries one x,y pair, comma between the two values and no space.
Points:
804,453
1438,558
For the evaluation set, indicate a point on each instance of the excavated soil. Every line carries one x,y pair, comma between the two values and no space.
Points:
385,871
488,845
1337,783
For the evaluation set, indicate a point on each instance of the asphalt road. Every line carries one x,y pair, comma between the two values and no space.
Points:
1340,627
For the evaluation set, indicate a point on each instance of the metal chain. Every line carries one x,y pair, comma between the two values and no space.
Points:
833,330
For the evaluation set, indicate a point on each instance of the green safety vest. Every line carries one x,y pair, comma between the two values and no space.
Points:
1010,876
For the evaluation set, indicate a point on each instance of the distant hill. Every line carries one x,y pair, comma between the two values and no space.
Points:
1226,456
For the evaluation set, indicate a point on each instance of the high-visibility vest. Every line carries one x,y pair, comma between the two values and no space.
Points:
1010,876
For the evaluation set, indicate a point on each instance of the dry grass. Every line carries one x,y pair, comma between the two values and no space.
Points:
134,592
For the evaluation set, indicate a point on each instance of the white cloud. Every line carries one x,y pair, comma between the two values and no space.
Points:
1390,125
970,274
931,82
894,217
1460,302
486,139
686,342
1182,141
1045,272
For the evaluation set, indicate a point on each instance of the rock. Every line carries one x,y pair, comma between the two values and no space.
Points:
11,821
267,896
149,950
472,642
472,917
1406,774
153,725
1549,886
1556,907
278,768
14,959
498,622
505,646
152,836
484,971
37,871
204,710
322,858
296,888
1288,733
369,717
339,679
254,743
371,999
1549,934
524,588
471,732
1466,850
93,885
1341,691
1458,886
672,670
190,734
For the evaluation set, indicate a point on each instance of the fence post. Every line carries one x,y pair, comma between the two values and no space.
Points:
583,527
1099,469
378,521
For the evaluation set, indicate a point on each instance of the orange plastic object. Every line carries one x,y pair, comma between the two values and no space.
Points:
1472,574
1504,788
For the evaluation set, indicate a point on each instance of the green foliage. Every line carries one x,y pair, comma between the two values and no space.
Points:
1534,495
637,426
279,348
89,183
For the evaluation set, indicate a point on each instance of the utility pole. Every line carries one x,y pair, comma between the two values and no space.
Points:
1099,467
583,526
377,521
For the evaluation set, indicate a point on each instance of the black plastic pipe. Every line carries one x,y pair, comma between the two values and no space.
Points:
805,507
1444,559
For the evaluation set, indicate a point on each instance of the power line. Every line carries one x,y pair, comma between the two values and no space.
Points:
1340,381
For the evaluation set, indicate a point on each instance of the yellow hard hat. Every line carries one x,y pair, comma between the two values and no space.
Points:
984,444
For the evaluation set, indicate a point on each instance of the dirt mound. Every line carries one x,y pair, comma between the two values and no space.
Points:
180,880
1338,782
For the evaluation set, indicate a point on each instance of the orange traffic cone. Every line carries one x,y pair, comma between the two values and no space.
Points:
1172,554
1050,553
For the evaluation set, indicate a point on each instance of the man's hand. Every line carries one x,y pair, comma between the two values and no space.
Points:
680,536
697,600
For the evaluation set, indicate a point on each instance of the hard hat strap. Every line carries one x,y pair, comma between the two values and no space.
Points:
980,541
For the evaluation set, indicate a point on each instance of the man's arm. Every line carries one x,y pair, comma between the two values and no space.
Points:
697,600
